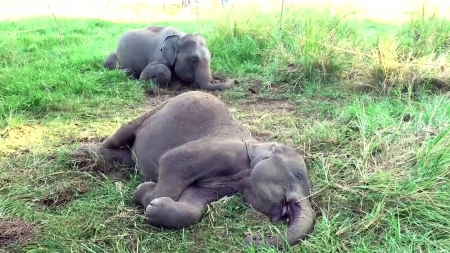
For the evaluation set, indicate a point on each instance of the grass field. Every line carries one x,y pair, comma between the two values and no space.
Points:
367,102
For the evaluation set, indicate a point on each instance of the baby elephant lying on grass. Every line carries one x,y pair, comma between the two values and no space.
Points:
164,54
192,151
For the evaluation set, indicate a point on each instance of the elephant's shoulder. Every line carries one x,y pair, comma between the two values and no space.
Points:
160,29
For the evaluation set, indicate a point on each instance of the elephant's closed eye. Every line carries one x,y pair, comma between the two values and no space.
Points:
194,60
299,175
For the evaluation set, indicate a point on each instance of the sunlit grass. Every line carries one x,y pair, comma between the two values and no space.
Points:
367,102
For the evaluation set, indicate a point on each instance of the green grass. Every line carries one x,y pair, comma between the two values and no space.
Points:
373,121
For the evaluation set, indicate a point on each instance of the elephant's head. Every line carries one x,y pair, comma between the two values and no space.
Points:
190,58
280,188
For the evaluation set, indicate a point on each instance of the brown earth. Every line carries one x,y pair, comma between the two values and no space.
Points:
15,232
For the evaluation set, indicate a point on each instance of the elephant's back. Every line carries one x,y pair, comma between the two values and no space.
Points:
135,48
198,112
187,117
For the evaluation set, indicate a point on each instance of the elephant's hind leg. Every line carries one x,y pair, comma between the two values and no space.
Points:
116,147
123,137
126,134
122,155
110,61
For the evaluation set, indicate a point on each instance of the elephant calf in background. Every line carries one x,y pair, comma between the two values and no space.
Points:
192,151
163,54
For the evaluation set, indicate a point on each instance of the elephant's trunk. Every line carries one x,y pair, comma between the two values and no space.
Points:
301,222
204,79
203,75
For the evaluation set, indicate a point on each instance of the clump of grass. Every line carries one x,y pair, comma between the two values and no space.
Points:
273,42
39,76
311,45
387,69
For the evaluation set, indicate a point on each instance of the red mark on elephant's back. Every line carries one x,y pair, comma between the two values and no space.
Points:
155,29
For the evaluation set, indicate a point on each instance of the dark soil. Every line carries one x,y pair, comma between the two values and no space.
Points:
15,232
66,195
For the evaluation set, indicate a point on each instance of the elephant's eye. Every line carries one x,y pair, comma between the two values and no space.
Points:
194,59
299,175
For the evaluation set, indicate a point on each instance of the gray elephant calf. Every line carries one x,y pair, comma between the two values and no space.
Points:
163,54
192,151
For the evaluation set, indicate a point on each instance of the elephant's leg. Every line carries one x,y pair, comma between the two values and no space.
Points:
121,155
142,192
126,134
117,146
123,137
165,212
159,73
130,73
180,167
110,61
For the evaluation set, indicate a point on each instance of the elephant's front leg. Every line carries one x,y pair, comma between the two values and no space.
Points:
158,72
165,212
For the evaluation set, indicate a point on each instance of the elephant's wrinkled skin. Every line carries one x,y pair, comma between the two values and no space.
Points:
164,54
194,151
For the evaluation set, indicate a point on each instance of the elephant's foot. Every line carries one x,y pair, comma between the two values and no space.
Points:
159,73
164,212
94,157
88,151
143,193
89,157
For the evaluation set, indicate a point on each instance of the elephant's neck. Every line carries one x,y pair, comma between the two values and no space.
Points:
244,182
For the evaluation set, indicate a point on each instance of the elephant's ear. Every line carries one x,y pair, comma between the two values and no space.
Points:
260,151
198,35
169,48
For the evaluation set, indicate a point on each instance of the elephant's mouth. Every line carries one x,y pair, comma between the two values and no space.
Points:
279,212
285,209
188,78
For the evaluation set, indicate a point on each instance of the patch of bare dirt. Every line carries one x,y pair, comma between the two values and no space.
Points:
158,95
436,85
20,138
15,232
269,106
65,195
